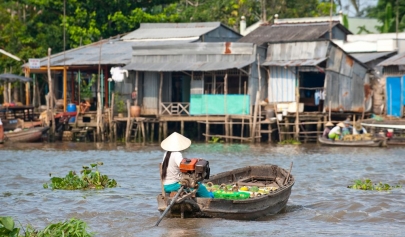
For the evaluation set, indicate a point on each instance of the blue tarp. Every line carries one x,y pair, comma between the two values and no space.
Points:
394,94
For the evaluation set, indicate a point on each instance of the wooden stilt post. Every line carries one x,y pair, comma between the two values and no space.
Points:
128,130
165,129
182,127
112,137
152,131
253,131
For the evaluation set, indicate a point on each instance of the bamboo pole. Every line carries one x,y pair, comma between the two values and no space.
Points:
64,89
253,131
160,93
51,94
112,137
244,107
226,106
27,87
127,133
297,101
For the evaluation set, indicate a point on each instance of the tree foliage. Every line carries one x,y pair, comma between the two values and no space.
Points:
385,11
29,27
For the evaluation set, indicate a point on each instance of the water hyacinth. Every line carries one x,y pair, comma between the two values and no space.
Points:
90,178
368,185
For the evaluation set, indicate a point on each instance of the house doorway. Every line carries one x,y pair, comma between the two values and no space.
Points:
311,87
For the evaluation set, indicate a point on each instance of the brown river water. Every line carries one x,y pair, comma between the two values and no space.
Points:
320,203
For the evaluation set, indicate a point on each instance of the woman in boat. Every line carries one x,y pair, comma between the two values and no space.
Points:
328,128
347,129
171,174
358,129
335,133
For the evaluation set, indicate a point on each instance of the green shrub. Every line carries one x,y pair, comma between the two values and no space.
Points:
90,178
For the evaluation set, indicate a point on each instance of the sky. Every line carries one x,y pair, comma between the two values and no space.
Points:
363,3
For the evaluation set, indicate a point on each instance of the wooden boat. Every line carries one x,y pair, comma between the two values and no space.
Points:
27,135
396,141
265,176
375,142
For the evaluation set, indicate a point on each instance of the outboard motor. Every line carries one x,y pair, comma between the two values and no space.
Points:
194,170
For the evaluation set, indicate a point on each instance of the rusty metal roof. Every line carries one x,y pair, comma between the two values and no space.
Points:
192,57
172,30
290,32
296,62
396,60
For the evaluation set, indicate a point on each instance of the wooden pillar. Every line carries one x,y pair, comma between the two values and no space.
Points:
207,131
297,101
72,88
160,130
106,91
165,129
226,128
64,89
27,87
147,124
129,123
152,131
160,93
198,131
230,129
182,127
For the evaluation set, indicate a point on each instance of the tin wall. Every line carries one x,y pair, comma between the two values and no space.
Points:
345,82
282,84
150,93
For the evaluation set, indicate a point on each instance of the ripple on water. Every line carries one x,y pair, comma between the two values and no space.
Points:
320,204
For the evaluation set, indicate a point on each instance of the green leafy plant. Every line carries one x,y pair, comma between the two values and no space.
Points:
215,140
366,184
71,228
120,103
85,87
290,142
90,178
7,227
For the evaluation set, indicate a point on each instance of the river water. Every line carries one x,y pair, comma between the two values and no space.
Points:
320,203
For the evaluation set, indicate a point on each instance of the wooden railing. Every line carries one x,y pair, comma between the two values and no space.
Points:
175,108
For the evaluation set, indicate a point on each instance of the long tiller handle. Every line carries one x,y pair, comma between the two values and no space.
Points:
170,206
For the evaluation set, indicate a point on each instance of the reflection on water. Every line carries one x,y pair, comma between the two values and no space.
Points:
320,203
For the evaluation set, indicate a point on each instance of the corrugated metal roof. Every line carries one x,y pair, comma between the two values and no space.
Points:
297,62
171,30
113,52
297,51
367,57
396,60
192,57
289,32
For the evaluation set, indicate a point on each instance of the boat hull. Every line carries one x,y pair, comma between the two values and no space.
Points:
30,135
246,209
367,143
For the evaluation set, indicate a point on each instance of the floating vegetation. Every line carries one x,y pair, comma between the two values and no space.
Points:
71,228
289,142
90,178
7,227
368,185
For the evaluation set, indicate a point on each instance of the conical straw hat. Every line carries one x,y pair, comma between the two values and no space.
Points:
329,124
175,142
342,125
